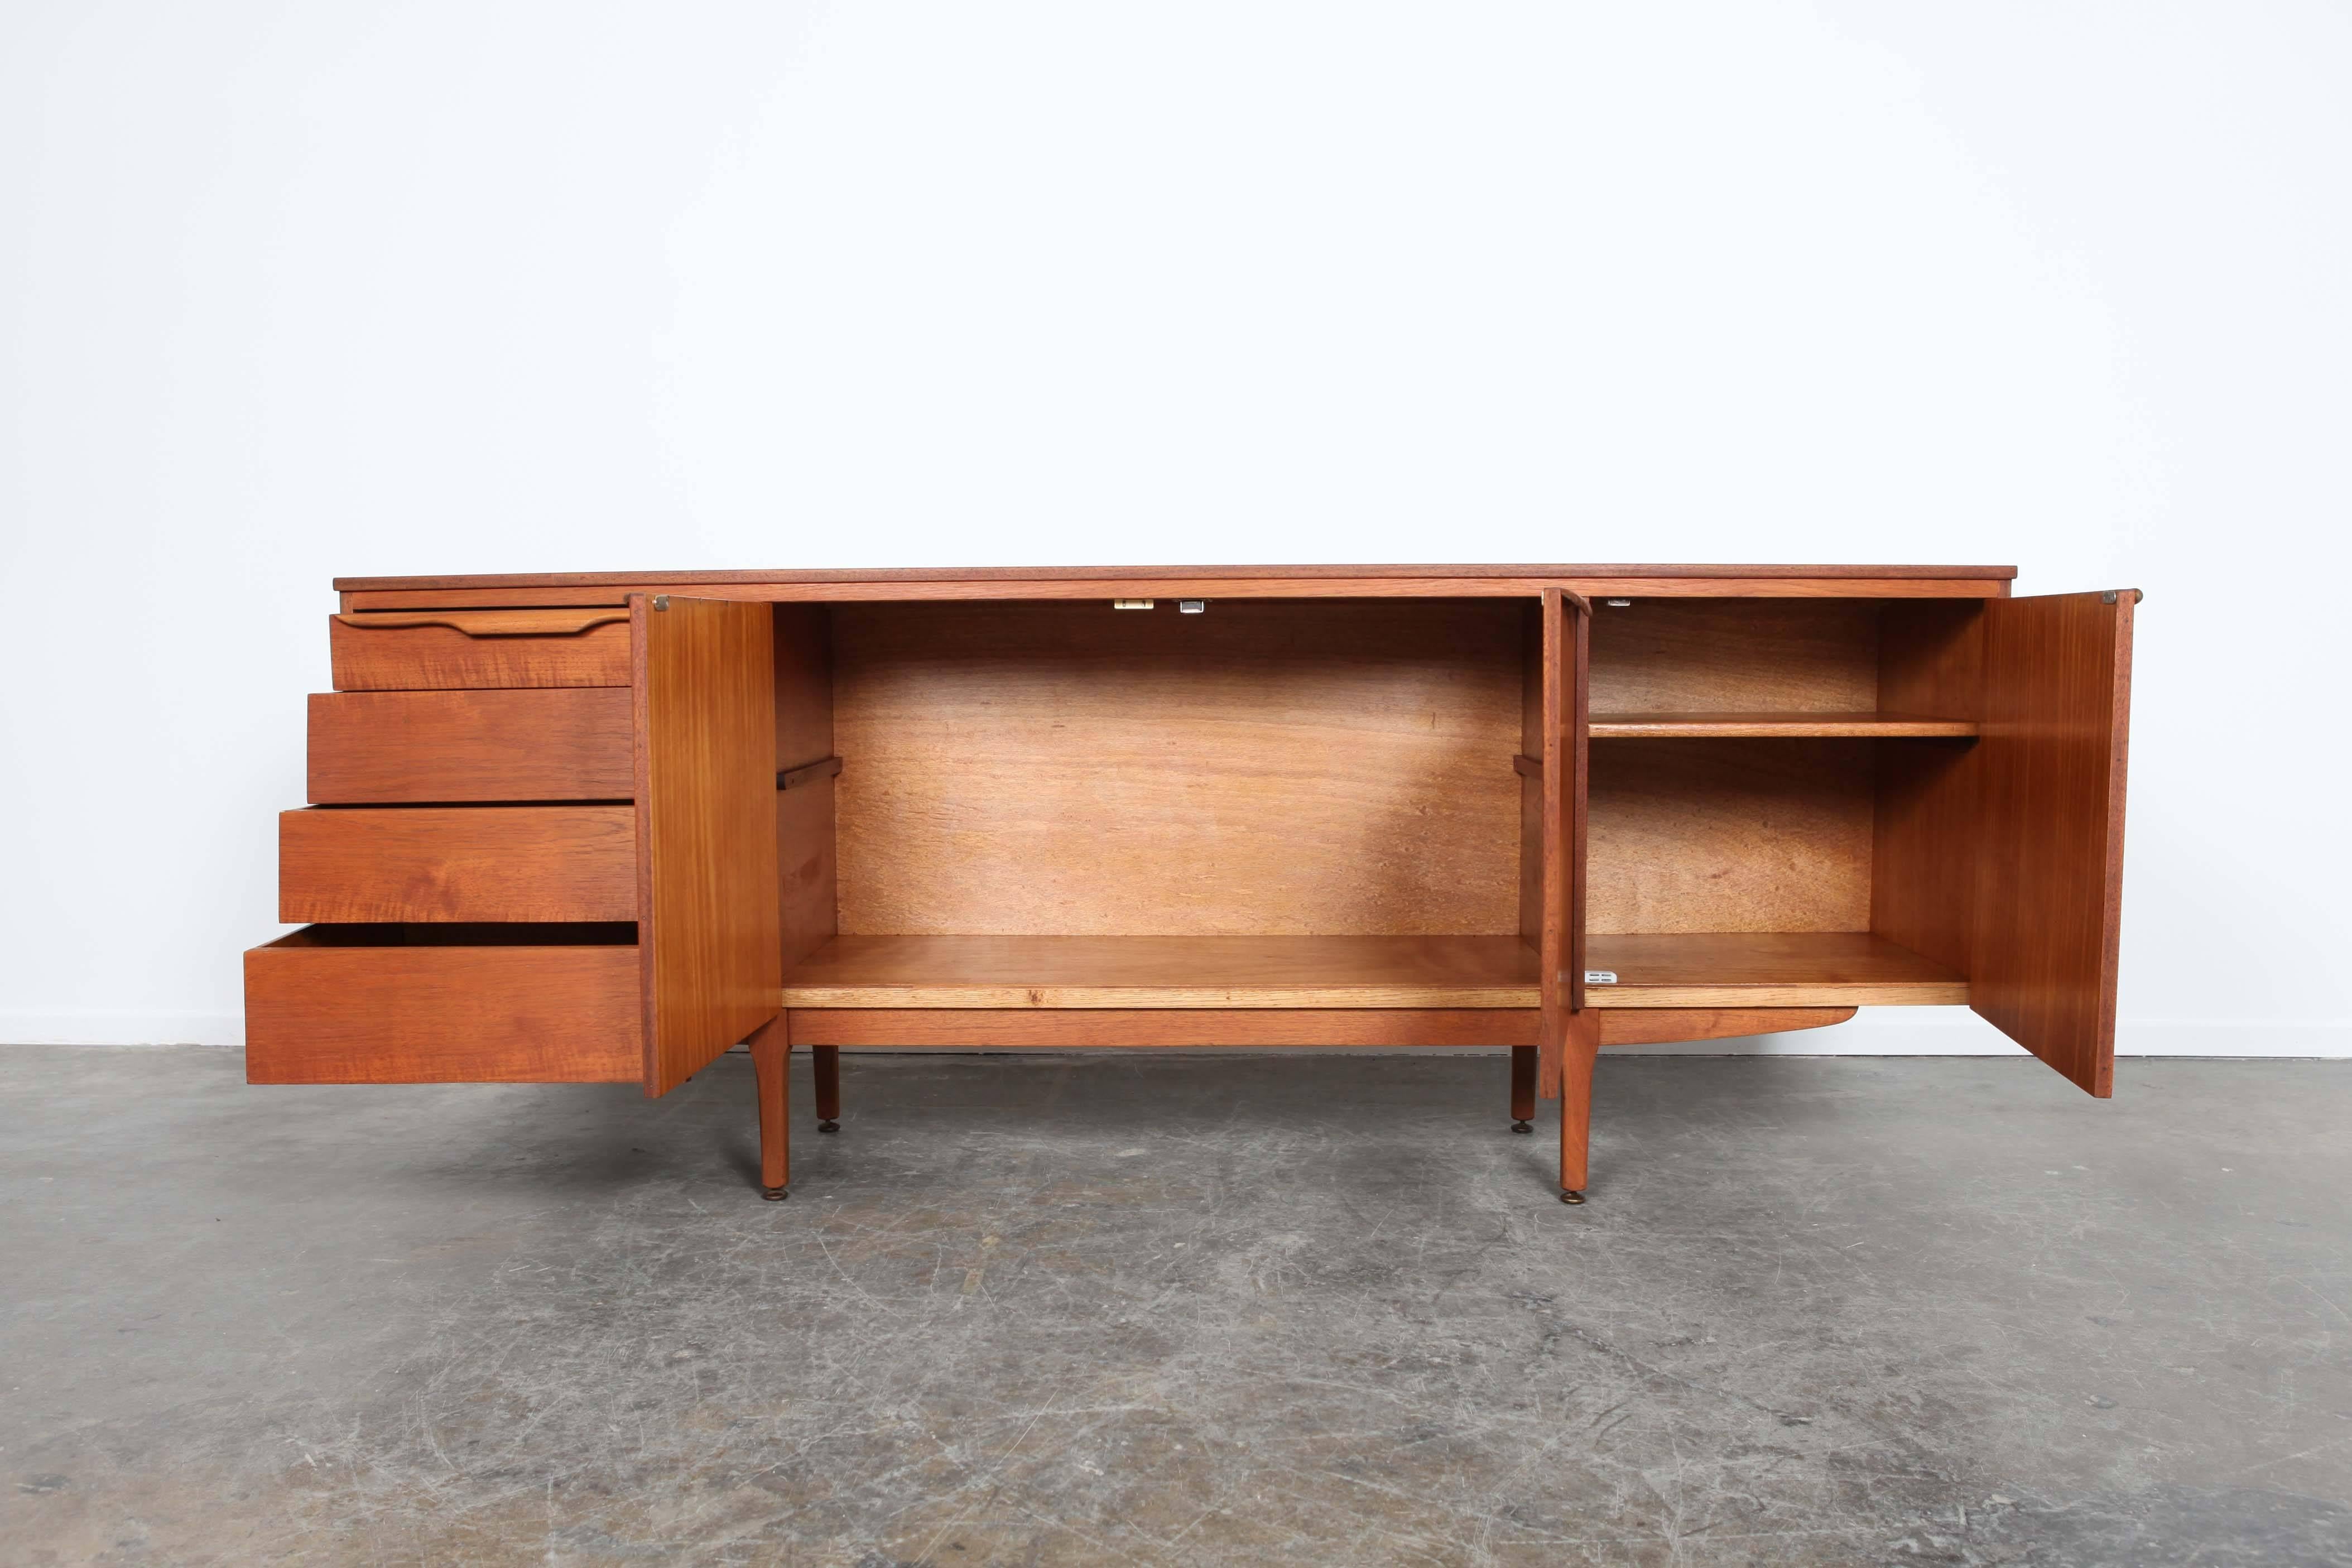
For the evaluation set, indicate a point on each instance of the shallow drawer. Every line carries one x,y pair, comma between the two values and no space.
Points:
457,863
403,650
378,1004
381,747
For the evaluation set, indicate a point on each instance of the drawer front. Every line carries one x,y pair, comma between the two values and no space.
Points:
423,864
369,748
438,650
321,1012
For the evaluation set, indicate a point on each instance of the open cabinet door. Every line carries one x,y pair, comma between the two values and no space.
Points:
2050,827
709,947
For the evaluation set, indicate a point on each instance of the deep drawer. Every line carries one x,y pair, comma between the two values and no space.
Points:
457,863
406,651
378,1004
373,748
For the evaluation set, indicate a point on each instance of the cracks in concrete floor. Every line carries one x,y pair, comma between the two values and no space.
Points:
1175,1310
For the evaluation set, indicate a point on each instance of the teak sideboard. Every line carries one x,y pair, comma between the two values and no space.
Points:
600,828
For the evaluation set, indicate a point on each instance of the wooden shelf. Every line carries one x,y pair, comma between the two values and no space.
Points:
1726,968
1774,726
1166,971
1766,969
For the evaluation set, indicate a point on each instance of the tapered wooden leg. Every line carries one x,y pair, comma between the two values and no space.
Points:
770,1058
1579,1045
1523,1088
826,1060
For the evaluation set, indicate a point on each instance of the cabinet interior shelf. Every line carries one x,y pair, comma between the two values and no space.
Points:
1736,969
1731,726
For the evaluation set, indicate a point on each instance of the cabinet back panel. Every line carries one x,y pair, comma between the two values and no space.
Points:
1293,767
1736,656
1730,836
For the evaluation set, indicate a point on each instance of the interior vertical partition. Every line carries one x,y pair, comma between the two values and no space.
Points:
1547,809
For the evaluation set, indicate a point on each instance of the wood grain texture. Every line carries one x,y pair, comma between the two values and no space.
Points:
406,652
909,575
981,1028
825,1070
984,1028
1770,656
1551,885
803,636
1661,1026
1527,762
806,884
457,863
2048,915
772,1087
706,824
492,623
1325,767
809,774
1775,726
1576,807
806,808
1923,838
1166,971
371,748
1727,836
1580,1048
1189,586
1767,969
360,1004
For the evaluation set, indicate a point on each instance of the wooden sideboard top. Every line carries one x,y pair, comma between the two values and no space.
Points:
1129,573
517,589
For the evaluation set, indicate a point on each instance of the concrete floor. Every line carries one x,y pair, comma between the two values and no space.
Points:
1161,1309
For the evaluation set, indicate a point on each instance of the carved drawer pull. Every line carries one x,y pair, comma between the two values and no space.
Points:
490,623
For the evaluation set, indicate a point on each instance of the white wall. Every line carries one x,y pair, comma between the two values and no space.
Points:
293,290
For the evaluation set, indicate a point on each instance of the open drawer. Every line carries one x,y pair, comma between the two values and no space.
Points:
445,1004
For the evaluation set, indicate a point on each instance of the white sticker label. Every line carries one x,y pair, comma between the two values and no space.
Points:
1600,978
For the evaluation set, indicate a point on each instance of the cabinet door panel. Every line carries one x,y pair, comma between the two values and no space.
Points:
706,757
2049,830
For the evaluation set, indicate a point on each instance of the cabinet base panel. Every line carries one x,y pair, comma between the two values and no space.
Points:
984,1028
1038,975
987,1028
